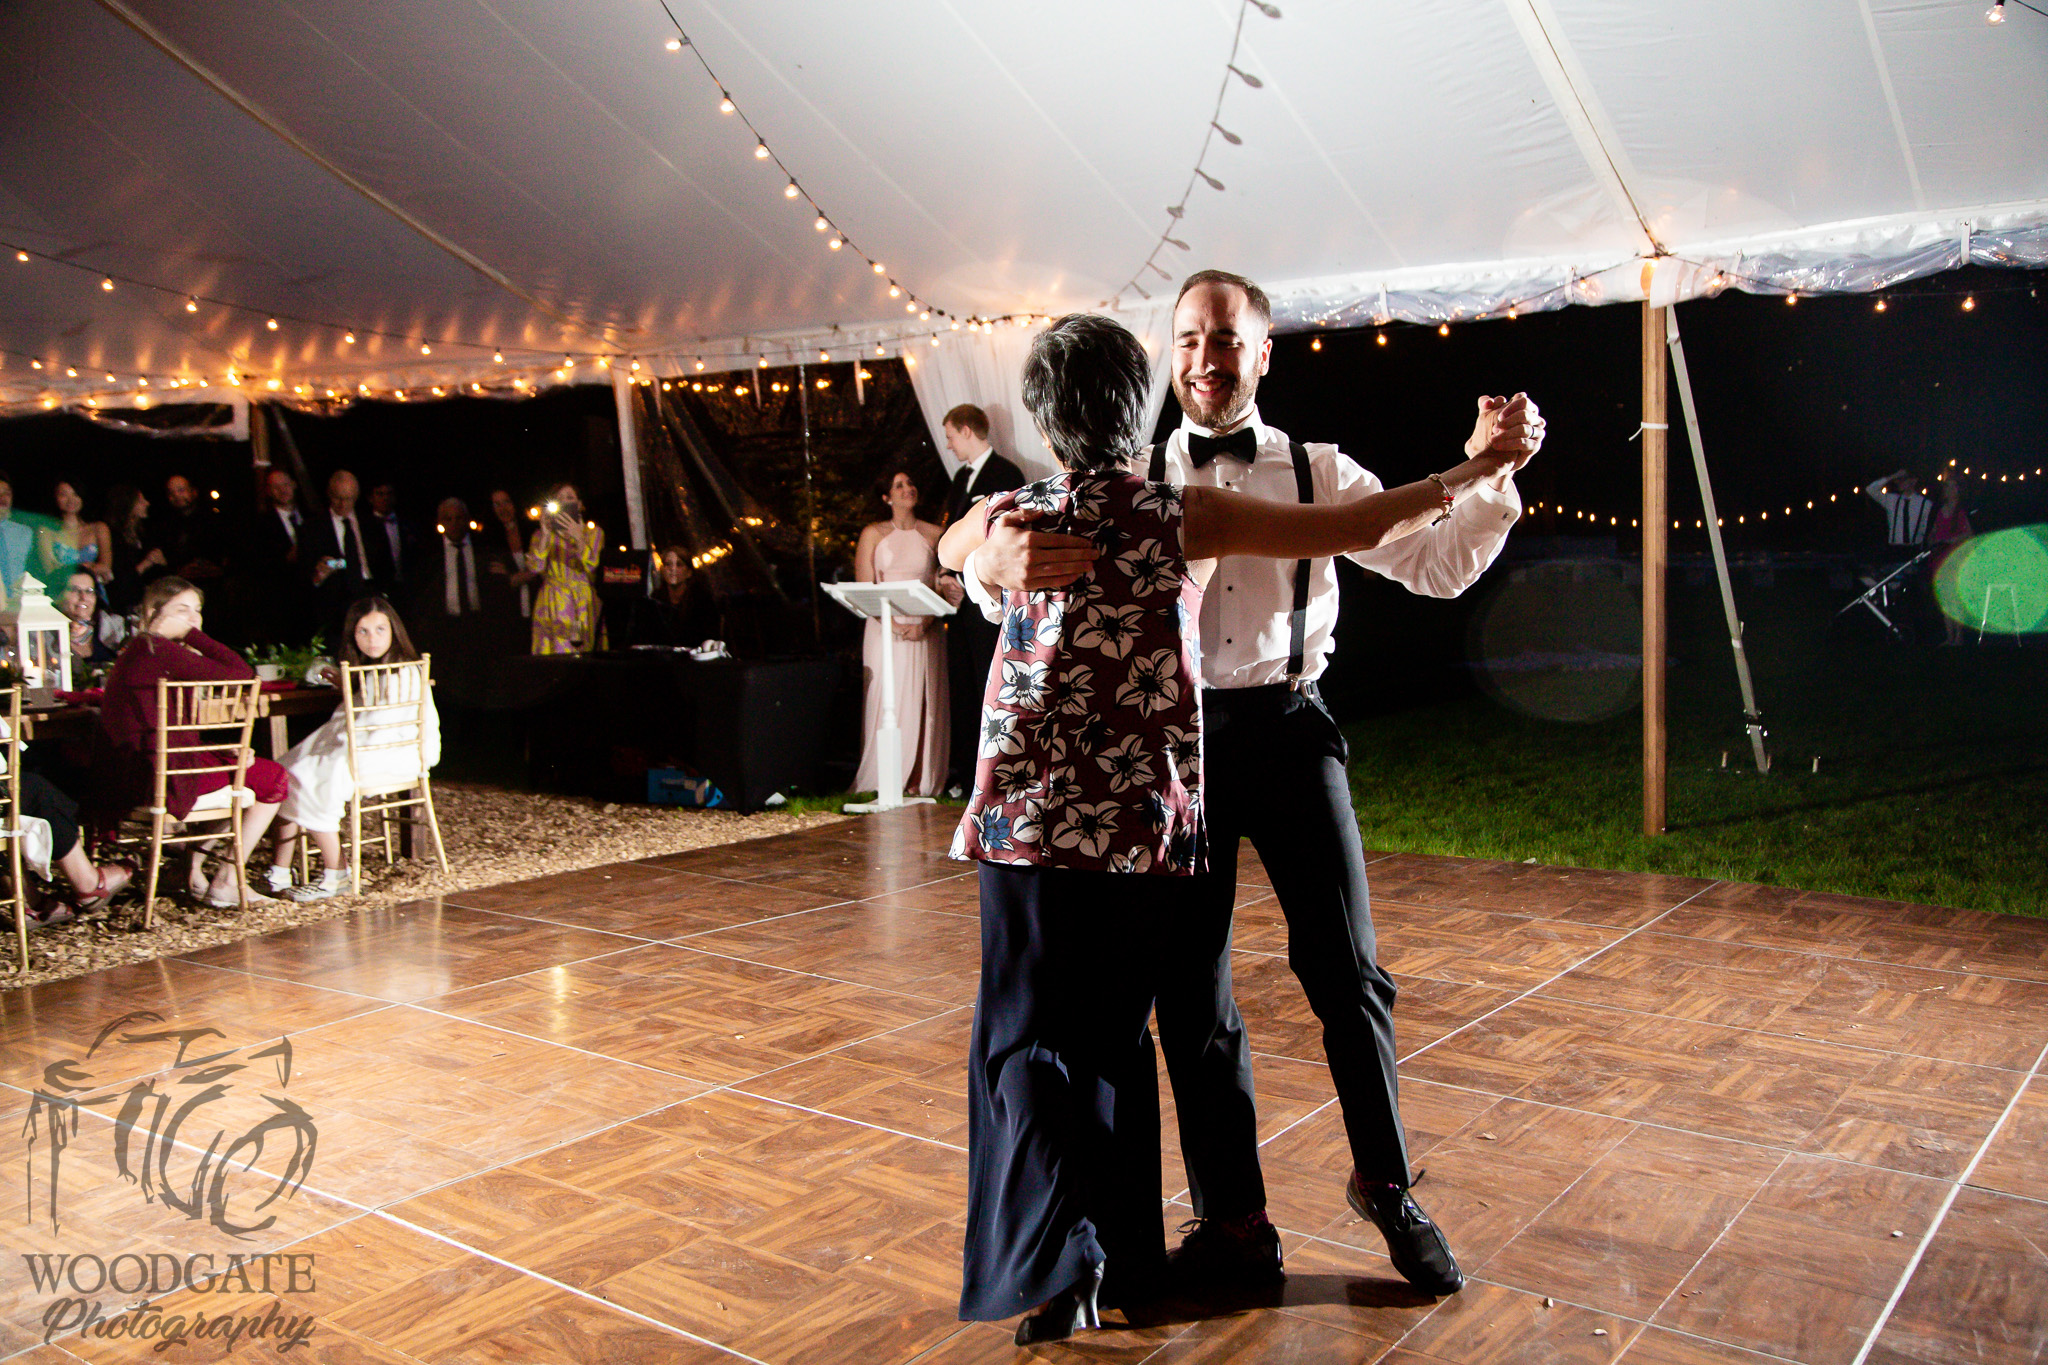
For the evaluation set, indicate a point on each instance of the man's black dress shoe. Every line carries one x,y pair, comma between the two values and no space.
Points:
1236,1251
1416,1245
1065,1313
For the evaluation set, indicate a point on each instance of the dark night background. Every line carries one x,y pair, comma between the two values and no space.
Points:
1797,403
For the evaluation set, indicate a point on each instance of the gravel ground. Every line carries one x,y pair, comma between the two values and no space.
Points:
492,836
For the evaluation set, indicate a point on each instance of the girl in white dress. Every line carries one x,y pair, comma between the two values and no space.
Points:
894,551
318,764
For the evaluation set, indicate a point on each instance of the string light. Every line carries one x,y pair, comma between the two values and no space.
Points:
725,105
674,45
1443,329
270,324
191,305
1970,303
1880,305
761,152
1381,338
107,285
1316,345
348,338
790,191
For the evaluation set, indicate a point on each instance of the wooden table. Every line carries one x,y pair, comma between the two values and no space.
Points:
77,722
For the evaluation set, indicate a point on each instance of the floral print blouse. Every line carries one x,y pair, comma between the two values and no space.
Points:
1091,725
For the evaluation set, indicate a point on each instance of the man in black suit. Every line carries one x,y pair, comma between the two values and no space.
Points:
970,640
273,566
455,602
342,562
398,546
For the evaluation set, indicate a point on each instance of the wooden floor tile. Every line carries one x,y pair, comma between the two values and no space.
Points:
1616,899
1806,1268
631,898
2017,1160
1488,1323
915,951
1981,1292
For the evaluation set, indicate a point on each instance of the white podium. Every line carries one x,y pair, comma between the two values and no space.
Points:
885,601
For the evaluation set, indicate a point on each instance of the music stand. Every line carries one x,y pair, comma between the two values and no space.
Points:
884,601
1880,594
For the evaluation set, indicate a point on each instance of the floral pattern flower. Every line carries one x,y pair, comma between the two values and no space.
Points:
1149,568
1111,628
1127,763
1087,828
1024,684
1090,754
1152,686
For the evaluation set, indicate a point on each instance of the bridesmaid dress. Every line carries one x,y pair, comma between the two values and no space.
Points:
920,667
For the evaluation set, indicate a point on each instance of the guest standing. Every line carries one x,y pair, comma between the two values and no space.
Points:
319,764
397,550
171,645
565,552
505,541
341,564
133,561
187,531
901,550
1951,528
970,640
272,565
74,542
16,541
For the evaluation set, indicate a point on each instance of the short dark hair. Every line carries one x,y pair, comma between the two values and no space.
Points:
1085,383
1254,295
968,417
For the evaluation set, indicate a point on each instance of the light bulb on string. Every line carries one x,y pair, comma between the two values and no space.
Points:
21,256
1996,14
790,191
820,225
348,338
1791,299
835,244
270,324
926,316
910,307
108,285
1316,345
760,151
877,265
498,357
191,305
426,349
725,104
1970,303
895,292
674,45
1443,329
1880,306
700,362
1381,338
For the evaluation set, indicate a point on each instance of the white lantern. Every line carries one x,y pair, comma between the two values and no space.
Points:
37,639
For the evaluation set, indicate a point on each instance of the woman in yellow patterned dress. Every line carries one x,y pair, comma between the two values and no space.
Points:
564,551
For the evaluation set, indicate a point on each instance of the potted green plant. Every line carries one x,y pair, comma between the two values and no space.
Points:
273,662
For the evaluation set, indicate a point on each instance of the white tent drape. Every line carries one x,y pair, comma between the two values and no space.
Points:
987,369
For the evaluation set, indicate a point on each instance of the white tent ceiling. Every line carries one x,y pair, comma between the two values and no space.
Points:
546,177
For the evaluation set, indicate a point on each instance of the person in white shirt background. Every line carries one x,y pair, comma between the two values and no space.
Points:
1274,772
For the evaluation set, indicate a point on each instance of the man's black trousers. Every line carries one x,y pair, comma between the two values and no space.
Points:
1273,771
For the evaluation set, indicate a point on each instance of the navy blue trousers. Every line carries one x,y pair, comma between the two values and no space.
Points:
1063,1084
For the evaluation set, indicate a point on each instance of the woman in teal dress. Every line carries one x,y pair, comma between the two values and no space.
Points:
74,542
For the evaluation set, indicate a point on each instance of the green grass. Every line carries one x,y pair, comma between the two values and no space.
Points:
1932,785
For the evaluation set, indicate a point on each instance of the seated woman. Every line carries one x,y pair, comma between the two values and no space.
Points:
680,612
51,846
898,550
169,644
1087,807
79,600
318,764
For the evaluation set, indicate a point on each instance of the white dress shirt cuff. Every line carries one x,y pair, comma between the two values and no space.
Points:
1493,504
981,594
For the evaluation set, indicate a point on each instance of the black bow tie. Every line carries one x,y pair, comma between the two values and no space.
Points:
1242,444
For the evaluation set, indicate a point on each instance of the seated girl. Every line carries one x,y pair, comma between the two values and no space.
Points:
318,764
1086,810
169,644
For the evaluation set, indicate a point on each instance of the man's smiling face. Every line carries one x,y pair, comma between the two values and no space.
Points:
1220,348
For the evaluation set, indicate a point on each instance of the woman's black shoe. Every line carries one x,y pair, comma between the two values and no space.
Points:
1065,1313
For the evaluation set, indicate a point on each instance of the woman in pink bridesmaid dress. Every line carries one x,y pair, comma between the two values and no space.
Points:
899,550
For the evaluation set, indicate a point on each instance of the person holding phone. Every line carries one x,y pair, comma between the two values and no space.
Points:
564,553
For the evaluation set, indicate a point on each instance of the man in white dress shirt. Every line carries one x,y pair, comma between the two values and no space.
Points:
1274,772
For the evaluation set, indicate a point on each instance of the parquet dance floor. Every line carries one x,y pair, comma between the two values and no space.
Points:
712,1105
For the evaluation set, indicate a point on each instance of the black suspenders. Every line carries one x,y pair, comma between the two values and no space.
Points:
1305,492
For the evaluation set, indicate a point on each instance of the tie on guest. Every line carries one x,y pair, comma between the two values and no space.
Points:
339,561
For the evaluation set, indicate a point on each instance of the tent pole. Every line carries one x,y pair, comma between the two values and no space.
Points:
629,456
803,392
1754,718
1656,546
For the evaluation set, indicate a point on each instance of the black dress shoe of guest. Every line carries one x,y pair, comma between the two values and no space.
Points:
1065,1313
1416,1245
1232,1251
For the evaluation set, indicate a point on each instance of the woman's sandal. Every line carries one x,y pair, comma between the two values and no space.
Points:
114,879
1066,1312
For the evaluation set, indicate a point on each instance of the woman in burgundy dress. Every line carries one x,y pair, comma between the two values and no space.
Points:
170,645
1087,808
